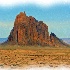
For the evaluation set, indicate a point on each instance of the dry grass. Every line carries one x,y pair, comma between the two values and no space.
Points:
21,56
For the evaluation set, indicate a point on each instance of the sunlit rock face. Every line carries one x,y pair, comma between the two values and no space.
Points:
29,31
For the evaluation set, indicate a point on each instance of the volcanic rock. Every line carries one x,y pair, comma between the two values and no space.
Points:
29,31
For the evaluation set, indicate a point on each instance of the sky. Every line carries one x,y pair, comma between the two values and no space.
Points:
55,14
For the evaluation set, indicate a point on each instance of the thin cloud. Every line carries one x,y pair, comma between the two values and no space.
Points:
36,2
6,25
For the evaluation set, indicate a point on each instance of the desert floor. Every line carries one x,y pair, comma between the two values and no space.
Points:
22,56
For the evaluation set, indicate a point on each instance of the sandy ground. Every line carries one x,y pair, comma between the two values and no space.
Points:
34,57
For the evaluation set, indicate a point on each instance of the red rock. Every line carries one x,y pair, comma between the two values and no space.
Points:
29,31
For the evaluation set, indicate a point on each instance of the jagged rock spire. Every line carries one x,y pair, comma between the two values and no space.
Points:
29,31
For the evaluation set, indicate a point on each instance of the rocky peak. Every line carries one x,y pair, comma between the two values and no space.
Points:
20,18
21,14
29,31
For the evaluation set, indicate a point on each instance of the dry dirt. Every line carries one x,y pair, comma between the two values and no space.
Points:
38,56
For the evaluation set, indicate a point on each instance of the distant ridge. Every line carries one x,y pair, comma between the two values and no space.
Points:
2,40
66,40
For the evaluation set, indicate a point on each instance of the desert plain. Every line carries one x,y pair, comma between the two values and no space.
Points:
22,56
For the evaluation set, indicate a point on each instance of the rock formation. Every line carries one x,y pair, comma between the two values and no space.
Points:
29,31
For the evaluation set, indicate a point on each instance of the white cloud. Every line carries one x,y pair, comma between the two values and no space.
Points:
6,25
5,29
37,2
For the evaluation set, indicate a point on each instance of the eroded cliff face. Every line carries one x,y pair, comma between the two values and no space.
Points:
29,31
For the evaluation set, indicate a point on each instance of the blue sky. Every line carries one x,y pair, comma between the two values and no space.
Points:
56,16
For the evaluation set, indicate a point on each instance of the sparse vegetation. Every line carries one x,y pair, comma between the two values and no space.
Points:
34,47
19,55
